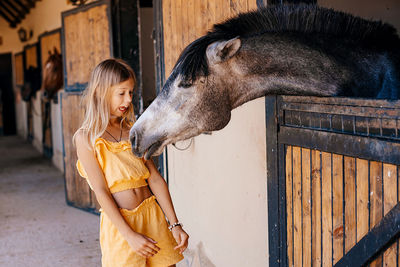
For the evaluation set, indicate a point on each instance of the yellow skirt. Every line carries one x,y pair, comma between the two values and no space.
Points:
147,219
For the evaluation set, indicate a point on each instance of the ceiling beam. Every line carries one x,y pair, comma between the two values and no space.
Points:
15,17
21,13
12,23
19,3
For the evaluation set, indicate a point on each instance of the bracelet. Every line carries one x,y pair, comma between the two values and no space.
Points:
174,225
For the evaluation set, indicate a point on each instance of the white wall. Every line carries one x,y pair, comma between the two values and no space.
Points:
385,10
219,190
57,135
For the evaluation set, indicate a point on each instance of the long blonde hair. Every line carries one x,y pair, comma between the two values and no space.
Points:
96,98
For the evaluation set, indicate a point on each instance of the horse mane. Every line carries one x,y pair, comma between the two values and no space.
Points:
304,19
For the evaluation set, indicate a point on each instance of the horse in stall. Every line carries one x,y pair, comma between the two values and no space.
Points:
53,74
53,79
286,50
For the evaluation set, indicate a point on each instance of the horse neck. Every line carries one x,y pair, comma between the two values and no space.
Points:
283,68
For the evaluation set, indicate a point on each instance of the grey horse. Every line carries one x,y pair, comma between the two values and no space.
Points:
289,50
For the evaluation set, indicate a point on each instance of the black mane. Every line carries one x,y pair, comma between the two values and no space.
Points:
306,19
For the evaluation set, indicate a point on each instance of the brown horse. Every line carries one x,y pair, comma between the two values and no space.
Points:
295,50
53,74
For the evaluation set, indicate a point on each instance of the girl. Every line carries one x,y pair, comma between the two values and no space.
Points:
133,229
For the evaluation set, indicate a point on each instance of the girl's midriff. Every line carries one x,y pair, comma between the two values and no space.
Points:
131,198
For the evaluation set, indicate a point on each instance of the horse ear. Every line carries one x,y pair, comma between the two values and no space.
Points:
222,50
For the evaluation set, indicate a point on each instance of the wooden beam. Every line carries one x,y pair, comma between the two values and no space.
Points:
19,3
372,244
21,13
14,17
12,23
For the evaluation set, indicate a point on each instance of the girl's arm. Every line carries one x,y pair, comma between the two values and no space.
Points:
160,189
141,244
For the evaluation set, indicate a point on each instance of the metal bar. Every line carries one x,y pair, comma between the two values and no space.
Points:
342,101
390,113
379,238
344,144
274,221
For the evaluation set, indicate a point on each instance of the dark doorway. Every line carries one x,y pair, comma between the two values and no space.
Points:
146,45
7,105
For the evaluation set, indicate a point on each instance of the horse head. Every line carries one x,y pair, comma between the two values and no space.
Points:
190,103
53,74
296,50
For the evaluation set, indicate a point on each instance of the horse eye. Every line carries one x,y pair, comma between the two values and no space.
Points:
185,84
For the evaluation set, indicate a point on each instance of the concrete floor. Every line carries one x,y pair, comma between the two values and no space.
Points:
37,228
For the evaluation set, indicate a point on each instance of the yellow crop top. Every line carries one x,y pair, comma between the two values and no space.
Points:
121,168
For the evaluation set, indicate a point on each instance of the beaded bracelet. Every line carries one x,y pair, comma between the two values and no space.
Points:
174,225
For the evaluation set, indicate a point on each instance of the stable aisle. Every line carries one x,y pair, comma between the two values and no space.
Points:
37,227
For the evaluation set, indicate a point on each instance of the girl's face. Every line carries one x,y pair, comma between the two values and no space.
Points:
121,98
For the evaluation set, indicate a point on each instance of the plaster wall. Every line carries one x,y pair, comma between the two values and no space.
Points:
57,135
385,10
219,190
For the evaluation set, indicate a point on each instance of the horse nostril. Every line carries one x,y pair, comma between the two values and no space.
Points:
134,140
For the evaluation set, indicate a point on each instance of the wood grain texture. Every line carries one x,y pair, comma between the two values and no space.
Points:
326,209
316,207
87,42
289,204
362,182
350,203
389,201
376,208
297,210
337,202
31,57
306,201
78,191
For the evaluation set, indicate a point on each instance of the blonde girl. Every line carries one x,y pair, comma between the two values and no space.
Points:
133,228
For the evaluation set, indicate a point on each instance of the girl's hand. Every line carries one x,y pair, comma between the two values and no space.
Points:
143,245
181,238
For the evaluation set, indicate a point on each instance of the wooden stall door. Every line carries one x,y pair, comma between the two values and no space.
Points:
338,181
86,41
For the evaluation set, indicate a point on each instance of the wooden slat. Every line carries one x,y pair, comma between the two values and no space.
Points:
342,101
316,208
389,201
376,200
337,183
192,21
167,30
19,69
77,189
86,31
362,198
306,198
252,4
289,207
326,209
212,16
297,195
31,57
47,44
350,203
